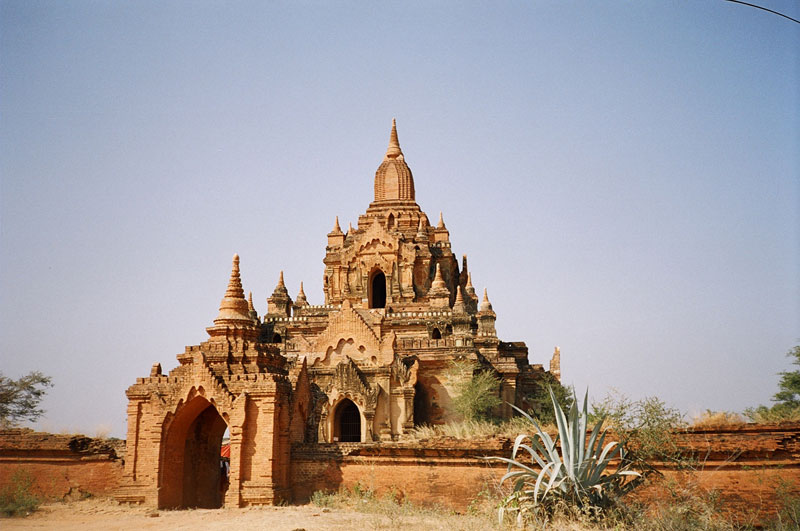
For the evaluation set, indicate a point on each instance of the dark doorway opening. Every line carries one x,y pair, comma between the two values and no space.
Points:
436,334
421,406
377,297
348,422
192,472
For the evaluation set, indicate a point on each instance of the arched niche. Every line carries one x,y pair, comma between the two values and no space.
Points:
377,289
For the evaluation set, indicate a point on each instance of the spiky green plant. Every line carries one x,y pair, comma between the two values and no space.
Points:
578,475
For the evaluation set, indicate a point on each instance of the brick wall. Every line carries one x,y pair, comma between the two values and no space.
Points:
60,465
745,465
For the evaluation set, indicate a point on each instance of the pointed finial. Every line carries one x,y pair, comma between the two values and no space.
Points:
440,225
233,305
421,226
301,297
438,275
280,281
349,227
459,298
486,306
235,282
469,282
336,228
250,302
393,151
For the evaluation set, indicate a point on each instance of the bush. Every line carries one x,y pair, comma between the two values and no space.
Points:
537,402
477,390
546,481
773,415
646,427
787,399
16,499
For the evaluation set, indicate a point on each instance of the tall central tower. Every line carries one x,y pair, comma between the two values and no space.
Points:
391,258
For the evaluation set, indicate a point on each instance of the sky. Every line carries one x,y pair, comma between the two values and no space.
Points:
623,176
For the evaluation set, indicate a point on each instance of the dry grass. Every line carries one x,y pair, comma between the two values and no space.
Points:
390,511
475,429
717,419
773,415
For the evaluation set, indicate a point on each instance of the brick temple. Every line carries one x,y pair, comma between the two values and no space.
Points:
365,367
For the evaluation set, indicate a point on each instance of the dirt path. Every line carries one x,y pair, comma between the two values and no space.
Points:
106,514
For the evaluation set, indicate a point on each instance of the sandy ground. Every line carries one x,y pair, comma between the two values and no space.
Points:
106,514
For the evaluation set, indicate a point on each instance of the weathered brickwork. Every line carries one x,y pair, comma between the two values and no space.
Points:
365,366
60,466
746,466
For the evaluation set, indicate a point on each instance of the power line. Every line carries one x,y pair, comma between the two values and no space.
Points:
764,9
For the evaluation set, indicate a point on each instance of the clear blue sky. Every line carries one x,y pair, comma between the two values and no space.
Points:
624,177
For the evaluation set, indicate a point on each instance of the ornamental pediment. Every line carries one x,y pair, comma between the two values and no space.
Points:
348,335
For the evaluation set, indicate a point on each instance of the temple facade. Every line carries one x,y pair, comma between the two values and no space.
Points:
366,366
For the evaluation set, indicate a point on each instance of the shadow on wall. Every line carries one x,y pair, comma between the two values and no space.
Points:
317,467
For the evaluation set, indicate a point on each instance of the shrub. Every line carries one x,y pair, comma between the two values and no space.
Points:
546,481
537,402
787,399
476,392
772,415
16,499
646,427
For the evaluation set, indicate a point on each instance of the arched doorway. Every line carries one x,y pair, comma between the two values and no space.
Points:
192,474
421,405
347,422
377,292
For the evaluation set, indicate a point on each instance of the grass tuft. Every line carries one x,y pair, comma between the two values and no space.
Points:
474,429
717,419
17,499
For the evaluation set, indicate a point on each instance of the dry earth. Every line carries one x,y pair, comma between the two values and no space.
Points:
107,514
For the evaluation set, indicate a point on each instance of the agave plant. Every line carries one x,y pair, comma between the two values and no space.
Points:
578,474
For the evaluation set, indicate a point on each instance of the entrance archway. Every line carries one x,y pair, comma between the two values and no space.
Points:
377,292
422,408
347,422
191,468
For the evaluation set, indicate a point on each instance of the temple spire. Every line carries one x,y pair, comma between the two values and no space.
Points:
336,228
280,302
393,151
486,306
459,305
440,225
233,306
250,307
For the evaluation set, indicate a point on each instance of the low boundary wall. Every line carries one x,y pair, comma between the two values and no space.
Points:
60,466
747,466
